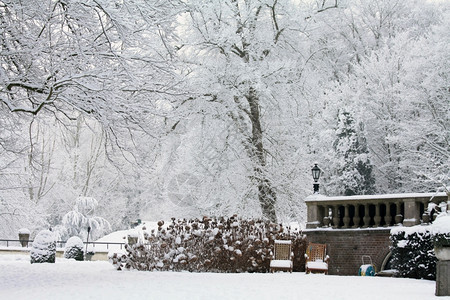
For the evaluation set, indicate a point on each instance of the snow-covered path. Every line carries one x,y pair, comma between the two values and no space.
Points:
68,279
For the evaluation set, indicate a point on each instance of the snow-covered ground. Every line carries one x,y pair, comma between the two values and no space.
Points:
67,279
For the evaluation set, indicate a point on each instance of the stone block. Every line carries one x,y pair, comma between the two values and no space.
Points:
443,278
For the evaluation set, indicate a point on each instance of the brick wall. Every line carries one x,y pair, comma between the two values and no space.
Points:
346,247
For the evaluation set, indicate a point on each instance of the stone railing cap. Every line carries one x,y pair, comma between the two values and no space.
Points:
323,198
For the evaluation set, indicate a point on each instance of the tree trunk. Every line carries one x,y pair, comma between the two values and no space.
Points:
266,194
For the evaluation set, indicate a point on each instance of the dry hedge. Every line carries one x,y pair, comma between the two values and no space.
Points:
229,245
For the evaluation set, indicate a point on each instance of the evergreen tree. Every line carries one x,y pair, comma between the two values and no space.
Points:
350,159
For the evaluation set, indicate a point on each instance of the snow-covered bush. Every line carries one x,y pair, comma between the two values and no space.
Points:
44,247
210,245
413,252
441,233
90,249
441,229
74,248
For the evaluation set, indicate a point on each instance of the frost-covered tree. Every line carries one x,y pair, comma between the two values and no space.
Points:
193,108
424,130
401,96
59,59
77,221
350,161
246,61
83,55
381,52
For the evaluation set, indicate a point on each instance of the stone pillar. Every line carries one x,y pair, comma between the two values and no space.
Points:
412,211
388,217
312,217
443,278
366,218
346,217
320,215
356,218
377,217
425,216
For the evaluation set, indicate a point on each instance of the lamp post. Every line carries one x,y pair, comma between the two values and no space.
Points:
316,172
87,240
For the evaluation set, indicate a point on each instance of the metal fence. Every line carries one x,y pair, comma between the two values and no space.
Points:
61,244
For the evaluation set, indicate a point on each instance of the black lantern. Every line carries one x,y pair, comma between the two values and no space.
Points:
316,172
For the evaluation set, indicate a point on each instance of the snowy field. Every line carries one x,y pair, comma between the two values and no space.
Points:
67,279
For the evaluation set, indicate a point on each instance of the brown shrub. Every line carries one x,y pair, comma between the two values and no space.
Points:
227,245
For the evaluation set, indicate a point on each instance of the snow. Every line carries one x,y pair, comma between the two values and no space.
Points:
91,249
317,265
421,229
114,237
285,242
44,244
316,197
74,242
44,238
69,279
402,244
278,263
24,231
133,233
442,224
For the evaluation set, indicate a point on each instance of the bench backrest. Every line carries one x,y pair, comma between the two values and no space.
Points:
282,250
316,252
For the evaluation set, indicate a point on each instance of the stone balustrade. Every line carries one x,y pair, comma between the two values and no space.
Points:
368,211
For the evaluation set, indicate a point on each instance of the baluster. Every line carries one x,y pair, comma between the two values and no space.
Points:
366,218
346,217
336,216
356,218
377,217
388,217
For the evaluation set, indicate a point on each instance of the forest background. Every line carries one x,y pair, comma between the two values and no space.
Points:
186,108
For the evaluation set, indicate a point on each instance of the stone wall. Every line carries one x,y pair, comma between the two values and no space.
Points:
347,246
